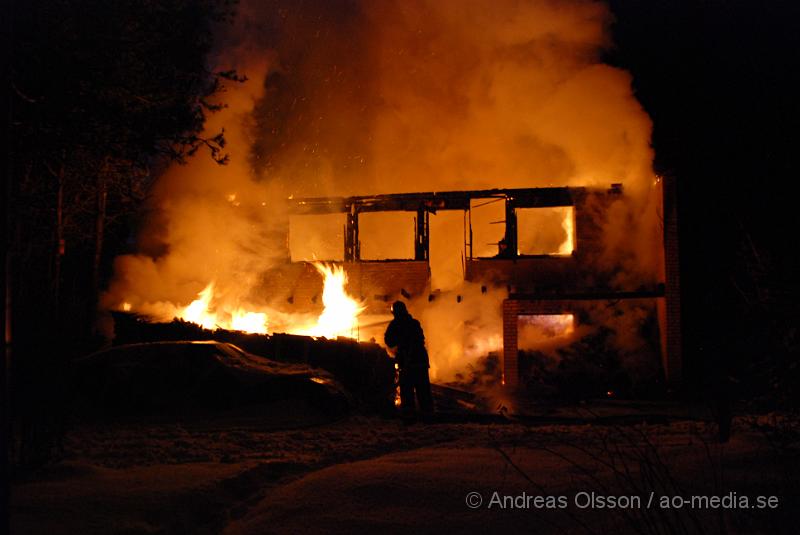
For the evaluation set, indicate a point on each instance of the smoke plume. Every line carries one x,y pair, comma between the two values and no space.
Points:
349,97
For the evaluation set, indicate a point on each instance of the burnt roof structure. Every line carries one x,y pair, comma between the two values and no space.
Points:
435,200
426,203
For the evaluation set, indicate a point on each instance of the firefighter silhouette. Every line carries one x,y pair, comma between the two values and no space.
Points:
405,333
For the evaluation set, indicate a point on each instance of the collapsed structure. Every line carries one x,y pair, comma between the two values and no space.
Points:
550,286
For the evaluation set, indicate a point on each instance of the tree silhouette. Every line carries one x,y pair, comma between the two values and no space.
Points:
103,95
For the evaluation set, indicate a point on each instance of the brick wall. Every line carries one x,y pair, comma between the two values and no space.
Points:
576,274
525,275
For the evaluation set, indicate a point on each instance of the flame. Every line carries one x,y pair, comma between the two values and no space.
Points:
250,322
340,316
568,224
198,310
551,325
544,331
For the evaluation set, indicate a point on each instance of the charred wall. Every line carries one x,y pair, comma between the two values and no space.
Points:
581,271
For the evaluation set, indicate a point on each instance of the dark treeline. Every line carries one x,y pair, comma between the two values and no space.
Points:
103,95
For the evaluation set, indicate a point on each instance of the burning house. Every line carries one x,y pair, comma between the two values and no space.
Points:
513,125
548,283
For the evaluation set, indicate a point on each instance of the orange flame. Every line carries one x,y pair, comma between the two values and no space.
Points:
198,310
568,224
339,317
249,322
201,312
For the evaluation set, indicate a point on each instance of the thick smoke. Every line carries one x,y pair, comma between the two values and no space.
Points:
209,223
351,98
387,97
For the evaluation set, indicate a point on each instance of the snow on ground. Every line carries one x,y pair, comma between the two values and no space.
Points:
426,490
256,474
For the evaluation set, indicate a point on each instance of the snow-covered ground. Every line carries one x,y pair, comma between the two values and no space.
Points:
267,473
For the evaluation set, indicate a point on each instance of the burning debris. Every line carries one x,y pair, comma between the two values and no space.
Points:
339,317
